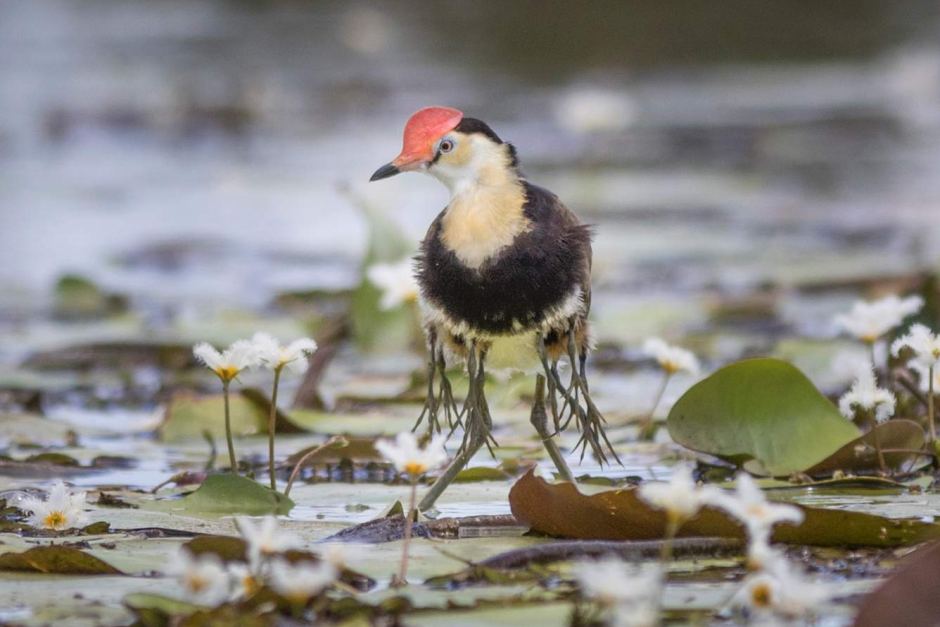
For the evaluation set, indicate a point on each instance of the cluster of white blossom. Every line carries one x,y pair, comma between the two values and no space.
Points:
206,579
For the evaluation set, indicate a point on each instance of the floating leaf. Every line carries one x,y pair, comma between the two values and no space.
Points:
58,560
226,548
760,409
234,494
356,449
155,609
56,459
481,473
188,415
372,327
860,454
561,510
909,596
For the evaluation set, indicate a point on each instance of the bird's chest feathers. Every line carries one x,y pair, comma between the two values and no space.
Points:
481,221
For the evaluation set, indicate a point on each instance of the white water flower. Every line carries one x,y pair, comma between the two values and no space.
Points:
227,365
923,374
245,582
680,497
397,282
303,580
670,358
613,582
865,395
271,354
923,343
869,320
410,458
781,590
265,538
61,509
204,578
761,555
750,506
586,110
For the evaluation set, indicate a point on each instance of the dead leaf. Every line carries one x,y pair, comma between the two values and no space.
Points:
860,454
909,597
561,510
59,560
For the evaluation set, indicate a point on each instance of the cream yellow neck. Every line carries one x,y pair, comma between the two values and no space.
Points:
485,213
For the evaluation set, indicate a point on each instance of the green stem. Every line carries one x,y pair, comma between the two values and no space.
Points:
659,395
228,430
272,419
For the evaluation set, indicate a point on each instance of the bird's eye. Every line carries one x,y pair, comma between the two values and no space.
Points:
446,145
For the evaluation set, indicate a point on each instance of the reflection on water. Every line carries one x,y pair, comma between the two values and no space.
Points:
194,152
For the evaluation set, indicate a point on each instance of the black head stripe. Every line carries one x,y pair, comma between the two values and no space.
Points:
469,126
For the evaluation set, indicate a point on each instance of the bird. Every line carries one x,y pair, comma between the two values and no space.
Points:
504,269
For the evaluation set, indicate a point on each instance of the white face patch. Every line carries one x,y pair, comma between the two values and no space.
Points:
485,213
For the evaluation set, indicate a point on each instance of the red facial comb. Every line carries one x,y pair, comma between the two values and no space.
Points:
422,131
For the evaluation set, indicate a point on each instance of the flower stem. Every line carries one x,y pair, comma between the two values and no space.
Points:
272,419
659,397
228,430
673,523
871,355
930,408
336,439
406,541
876,434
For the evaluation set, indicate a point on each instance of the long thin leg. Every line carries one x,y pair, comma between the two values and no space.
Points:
589,419
539,420
443,397
477,425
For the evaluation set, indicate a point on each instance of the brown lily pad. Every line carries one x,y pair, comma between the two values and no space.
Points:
560,510
860,454
909,597
57,560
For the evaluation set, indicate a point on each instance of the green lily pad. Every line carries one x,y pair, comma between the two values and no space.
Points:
56,560
156,609
764,410
373,328
234,494
188,415
481,473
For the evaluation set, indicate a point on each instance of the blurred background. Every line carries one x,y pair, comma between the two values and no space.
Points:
751,166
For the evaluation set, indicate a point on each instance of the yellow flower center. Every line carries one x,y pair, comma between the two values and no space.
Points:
670,367
415,468
54,520
761,595
227,373
196,584
250,585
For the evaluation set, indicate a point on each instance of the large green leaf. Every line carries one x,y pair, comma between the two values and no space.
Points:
760,409
374,328
234,494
